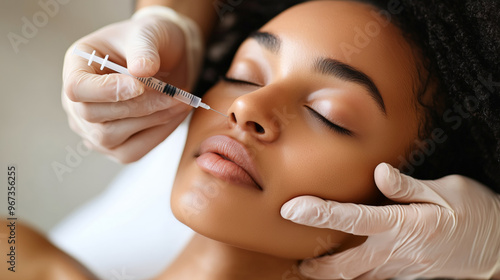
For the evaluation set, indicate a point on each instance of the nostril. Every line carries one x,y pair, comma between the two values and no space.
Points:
249,125
258,128
233,117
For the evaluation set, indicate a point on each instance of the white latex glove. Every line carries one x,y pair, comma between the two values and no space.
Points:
116,114
451,228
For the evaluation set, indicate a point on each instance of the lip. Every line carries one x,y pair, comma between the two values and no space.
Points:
228,160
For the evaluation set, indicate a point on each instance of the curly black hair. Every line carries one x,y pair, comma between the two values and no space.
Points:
459,42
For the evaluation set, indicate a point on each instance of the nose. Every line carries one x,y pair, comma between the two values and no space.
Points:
254,113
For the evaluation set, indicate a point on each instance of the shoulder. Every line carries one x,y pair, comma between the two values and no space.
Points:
32,256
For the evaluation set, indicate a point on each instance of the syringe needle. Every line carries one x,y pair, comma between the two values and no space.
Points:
151,82
205,106
218,112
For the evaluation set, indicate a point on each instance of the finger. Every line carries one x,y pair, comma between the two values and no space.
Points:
142,53
345,265
112,134
405,189
76,124
146,104
141,143
347,217
83,84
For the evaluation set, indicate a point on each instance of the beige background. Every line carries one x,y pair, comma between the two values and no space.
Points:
34,134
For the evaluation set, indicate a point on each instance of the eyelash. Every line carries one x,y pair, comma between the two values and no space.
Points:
329,124
317,115
236,81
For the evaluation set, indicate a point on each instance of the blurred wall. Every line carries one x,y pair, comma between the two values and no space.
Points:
34,133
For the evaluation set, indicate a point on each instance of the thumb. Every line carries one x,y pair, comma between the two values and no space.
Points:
304,210
347,217
143,58
405,189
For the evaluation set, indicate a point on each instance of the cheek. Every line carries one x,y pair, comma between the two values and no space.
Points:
250,219
219,98
336,169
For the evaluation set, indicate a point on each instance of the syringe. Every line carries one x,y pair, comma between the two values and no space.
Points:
151,82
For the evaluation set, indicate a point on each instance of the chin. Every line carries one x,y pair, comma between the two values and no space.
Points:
244,218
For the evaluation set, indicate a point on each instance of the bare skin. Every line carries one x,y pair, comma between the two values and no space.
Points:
37,258
298,129
277,107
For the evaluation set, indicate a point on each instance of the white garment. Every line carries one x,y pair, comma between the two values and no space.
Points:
129,231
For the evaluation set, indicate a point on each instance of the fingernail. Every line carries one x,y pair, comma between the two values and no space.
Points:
386,170
131,90
392,177
142,62
138,63
286,210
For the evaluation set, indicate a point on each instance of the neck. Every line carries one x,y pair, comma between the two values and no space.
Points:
207,259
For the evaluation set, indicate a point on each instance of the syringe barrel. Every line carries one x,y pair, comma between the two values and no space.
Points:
182,95
151,82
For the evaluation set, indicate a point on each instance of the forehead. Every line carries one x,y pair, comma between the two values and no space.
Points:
356,34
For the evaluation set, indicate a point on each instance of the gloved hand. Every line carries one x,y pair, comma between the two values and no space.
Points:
451,228
116,114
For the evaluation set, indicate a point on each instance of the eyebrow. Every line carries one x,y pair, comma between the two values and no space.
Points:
348,73
326,66
269,41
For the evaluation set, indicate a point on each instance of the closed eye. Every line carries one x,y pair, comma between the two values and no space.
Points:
329,124
236,81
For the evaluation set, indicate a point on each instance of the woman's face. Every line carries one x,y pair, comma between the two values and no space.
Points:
321,95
